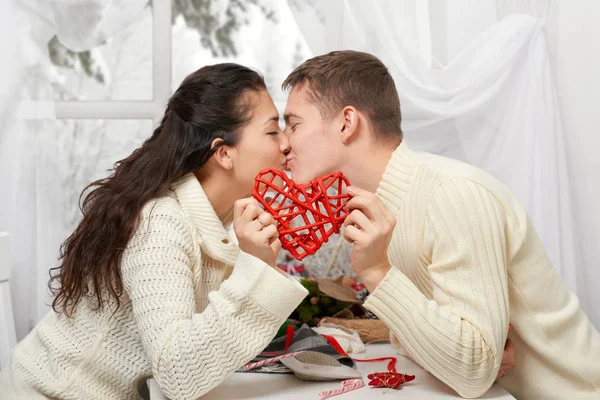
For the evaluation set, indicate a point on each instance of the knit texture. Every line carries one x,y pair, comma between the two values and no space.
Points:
180,321
466,261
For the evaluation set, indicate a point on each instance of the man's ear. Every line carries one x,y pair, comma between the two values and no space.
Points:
223,155
349,124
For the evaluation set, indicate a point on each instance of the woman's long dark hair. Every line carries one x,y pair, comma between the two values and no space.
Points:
211,103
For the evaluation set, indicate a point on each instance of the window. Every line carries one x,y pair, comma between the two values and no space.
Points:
88,149
259,34
109,98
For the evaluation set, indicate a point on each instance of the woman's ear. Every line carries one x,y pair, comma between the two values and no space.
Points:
349,124
223,155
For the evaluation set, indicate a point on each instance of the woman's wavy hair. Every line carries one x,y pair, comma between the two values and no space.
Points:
211,103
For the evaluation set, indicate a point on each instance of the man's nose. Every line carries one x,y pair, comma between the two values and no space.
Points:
285,145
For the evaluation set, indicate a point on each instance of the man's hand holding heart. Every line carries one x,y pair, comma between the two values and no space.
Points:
369,228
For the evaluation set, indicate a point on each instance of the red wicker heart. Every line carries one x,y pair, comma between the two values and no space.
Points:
306,215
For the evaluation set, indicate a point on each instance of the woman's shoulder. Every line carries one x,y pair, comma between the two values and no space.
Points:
164,210
163,217
164,204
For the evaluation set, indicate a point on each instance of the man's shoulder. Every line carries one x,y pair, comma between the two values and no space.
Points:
447,170
450,168
463,177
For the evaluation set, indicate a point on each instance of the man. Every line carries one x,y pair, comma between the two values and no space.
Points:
447,252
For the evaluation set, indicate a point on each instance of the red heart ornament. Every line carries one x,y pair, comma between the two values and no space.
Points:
306,215
390,379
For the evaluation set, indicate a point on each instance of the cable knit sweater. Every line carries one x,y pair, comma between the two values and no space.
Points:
466,261
179,321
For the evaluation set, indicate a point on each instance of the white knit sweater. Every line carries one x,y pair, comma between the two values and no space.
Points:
180,321
466,261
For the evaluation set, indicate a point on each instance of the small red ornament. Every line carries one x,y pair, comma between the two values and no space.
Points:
320,214
390,379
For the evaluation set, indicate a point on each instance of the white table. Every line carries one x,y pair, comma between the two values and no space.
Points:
278,386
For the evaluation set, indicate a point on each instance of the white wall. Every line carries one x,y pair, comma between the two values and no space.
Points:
574,43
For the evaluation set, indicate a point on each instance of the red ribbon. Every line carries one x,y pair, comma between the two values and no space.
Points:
390,379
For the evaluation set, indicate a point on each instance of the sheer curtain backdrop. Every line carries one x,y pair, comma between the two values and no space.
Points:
31,204
476,83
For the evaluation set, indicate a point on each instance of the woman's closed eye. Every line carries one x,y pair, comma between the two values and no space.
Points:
273,133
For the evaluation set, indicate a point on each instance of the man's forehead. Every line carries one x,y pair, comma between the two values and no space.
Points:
298,98
302,90
293,106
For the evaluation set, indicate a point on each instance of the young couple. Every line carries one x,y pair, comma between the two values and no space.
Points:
152,284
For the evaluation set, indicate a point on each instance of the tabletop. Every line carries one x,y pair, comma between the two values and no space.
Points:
284,386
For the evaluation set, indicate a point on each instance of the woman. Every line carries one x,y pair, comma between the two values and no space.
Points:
150,282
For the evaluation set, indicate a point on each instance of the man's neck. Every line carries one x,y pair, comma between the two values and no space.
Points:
366,169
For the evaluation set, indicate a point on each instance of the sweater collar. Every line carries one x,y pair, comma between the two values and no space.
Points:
215,241
398,177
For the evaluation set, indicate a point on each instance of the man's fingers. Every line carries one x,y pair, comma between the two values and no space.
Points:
363,204
356,191
509,346
352,233
372,207
508,356
360,220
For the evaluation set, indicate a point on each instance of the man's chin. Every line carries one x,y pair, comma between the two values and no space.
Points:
298,177
304,177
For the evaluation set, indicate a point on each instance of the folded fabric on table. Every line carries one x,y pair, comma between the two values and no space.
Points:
348,339
317,359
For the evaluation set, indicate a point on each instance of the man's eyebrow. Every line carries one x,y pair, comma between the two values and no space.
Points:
273,118
287,117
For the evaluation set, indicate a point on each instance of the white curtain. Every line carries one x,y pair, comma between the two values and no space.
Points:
475,84
31,200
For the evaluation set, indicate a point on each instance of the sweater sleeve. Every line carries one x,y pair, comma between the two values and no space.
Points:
459,334
192,351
